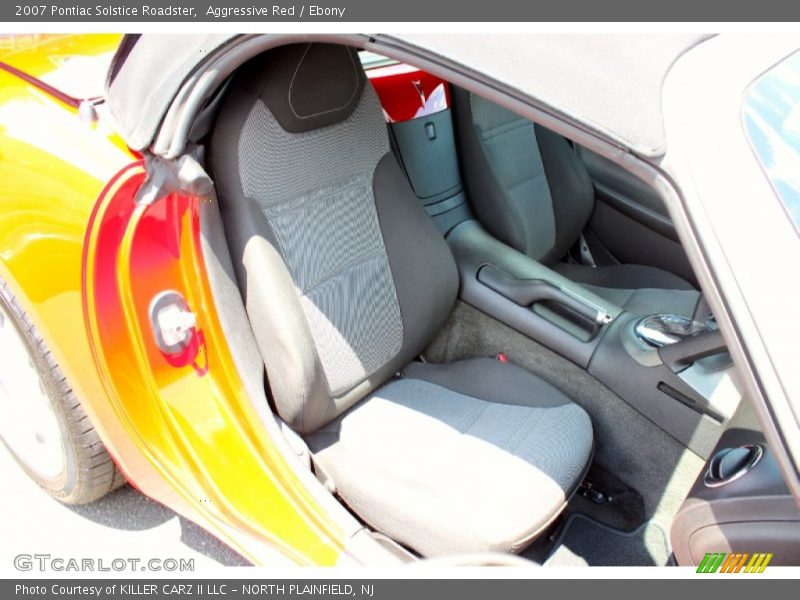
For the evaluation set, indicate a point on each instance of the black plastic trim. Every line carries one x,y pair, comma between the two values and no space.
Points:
473,248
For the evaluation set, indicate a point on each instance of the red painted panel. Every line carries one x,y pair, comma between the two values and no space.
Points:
403,90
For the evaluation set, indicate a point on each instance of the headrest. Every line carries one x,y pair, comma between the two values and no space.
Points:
312,85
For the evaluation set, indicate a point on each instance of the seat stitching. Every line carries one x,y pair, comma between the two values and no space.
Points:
344,269
540,414
324,112
313,196
526,180
483,400
488,134
478,416
520,426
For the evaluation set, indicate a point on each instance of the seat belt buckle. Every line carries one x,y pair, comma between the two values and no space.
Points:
501,357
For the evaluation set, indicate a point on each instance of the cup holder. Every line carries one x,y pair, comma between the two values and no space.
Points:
729,464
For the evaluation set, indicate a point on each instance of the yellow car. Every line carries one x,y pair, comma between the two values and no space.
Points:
358,299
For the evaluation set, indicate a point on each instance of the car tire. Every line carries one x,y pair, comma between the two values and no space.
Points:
83,471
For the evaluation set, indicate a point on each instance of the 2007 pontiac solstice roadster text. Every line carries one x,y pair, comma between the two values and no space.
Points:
177,10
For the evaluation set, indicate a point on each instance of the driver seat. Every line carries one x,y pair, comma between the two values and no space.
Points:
345,280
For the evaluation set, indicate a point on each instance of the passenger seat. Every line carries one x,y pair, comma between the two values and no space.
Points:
532,192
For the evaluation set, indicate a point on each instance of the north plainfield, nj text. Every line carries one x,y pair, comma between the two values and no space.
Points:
202,590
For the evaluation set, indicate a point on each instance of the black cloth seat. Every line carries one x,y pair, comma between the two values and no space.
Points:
623,276
531,191
345,280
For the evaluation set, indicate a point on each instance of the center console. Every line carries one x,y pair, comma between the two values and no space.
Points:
528,296
673,369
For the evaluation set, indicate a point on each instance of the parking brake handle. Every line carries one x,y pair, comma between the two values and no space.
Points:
527,292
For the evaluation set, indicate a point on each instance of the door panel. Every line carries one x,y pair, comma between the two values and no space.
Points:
749,513
630,220
631,242
615,181
195,442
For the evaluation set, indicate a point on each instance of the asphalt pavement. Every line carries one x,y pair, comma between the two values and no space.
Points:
125,524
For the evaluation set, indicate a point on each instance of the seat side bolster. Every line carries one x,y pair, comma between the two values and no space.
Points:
491,380
280,329
571,190
485,194
422,265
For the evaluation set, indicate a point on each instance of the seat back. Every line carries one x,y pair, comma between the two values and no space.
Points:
526,184
344,276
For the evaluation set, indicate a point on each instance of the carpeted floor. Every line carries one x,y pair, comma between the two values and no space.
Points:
586,542
645,470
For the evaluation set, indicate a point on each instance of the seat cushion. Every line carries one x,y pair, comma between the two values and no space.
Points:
639,289
630,277
445,471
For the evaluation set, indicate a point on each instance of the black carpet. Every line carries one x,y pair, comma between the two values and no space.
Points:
586,542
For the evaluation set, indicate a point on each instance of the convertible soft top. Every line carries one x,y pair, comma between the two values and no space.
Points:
610,84
146,74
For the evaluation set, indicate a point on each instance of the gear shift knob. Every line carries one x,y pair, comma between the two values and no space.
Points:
665,329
